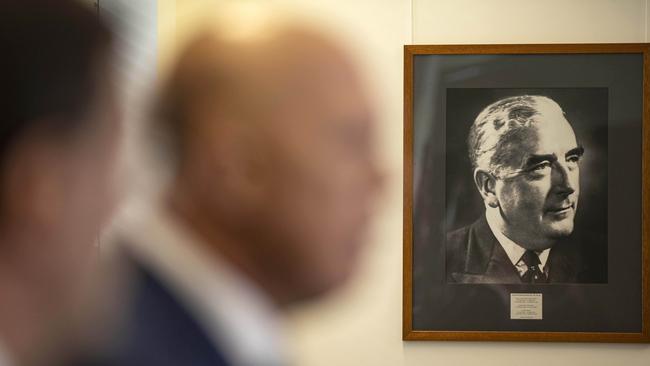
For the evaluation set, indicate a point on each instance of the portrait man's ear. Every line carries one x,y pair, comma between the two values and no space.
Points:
485,183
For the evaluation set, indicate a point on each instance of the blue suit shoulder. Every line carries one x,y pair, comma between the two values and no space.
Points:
156,330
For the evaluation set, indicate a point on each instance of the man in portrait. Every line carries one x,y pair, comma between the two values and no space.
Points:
526,166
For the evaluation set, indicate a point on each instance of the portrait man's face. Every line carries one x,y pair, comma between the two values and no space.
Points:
539,197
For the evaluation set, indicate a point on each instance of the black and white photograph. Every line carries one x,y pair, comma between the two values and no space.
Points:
527,185
523,192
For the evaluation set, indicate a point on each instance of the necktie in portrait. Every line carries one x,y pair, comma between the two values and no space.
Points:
533,274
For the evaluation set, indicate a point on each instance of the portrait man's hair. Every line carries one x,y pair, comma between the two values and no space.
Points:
501,124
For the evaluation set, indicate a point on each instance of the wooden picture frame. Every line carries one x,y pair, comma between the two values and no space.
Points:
443,85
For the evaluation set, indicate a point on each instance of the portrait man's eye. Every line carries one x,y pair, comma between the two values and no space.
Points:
541,167
537,168
574,156
574,159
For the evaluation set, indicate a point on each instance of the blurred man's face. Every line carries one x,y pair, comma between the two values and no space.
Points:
539,203
283,163
324,181
76,194
93,163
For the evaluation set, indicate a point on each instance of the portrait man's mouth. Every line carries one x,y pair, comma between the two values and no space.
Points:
564,208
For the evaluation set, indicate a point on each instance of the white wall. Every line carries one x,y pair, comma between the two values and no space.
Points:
361,325
529,21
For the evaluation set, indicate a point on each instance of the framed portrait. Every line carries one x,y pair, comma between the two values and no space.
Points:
526,209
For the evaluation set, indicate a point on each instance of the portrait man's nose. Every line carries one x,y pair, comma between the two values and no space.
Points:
565,179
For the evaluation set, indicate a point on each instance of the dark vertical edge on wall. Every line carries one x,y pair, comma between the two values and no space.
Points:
407,268
645,295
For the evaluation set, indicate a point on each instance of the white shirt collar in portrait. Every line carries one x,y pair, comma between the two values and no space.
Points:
512,249
235,312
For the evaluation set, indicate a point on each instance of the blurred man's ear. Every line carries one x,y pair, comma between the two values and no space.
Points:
227,157
486,185
245,165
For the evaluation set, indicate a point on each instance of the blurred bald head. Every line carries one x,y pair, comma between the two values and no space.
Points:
252,70
275,160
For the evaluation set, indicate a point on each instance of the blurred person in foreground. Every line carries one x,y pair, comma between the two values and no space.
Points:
59,128
274,179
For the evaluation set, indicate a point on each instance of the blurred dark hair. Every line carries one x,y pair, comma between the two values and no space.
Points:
49,54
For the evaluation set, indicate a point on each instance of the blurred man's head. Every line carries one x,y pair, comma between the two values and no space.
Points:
275,153
525,158
58,133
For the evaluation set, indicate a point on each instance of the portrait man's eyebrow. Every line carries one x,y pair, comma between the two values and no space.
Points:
525,160
534,159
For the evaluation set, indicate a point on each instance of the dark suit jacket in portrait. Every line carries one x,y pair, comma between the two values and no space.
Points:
474,255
